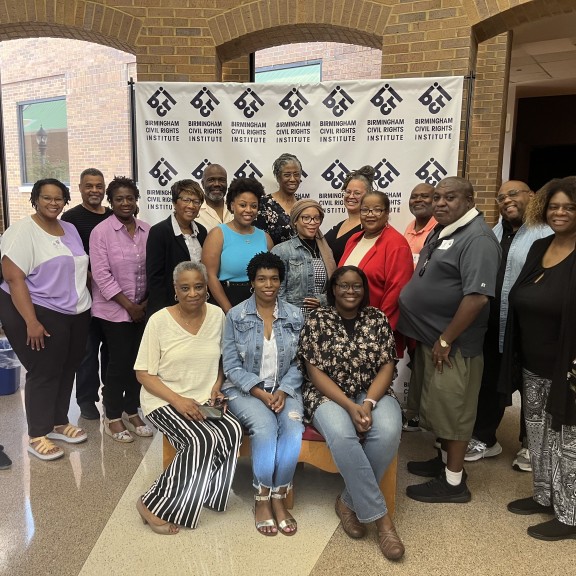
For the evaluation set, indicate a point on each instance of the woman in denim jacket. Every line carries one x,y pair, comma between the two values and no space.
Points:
263,388
307,257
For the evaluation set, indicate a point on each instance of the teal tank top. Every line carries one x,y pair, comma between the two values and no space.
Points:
237,251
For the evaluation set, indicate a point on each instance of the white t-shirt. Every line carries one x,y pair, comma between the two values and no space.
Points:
186,363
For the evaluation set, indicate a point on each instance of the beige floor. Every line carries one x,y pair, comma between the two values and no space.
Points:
76,516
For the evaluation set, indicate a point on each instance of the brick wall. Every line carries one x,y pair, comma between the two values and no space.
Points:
93,78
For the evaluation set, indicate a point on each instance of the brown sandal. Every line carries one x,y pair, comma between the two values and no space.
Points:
167,528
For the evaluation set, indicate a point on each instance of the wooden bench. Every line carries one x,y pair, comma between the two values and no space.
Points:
314,451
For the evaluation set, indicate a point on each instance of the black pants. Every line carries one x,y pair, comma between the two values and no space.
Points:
93,367
490,412
121,391
50,371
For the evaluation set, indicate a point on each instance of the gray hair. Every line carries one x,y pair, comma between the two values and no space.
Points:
190,266
281,161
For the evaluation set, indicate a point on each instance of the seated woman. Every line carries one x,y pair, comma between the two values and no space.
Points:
174,240
229,247
357,183
541,338
307,258
263,386
384,255
347,351
180,369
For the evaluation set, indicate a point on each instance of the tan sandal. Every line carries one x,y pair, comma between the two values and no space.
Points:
287,522
122,436
42,448
166,528
71,434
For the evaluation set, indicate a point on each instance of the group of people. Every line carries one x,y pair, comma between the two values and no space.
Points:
237,314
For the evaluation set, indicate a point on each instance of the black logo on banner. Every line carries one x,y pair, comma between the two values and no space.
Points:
385,173
386,99
205,102
248,170
293,102
249,103
435,104
340,106
335,174
198,172
161,101
431,172
163,176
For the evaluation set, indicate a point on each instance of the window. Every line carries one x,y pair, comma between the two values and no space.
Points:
43,140
295,73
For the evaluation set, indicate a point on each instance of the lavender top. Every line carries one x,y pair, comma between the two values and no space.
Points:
55,266
118,263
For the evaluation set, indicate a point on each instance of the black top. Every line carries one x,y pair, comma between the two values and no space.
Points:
164,251
339,244
85,221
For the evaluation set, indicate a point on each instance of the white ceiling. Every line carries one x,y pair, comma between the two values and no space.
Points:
544,56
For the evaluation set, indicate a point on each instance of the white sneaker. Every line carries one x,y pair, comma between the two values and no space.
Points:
522,461
477,449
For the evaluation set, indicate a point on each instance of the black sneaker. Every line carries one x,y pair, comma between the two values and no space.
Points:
5,462
552,530
412,425
438,490
526,506
429,468
88,411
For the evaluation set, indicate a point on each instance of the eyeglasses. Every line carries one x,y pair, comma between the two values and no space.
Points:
49,200
307,219
501,198
345,287
355,193
187,200
288,175
376,211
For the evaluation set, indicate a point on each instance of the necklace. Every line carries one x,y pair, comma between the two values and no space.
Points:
194,327
311,246
249,234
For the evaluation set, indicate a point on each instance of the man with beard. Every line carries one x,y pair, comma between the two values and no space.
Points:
214,211
444,308
515,238
85,217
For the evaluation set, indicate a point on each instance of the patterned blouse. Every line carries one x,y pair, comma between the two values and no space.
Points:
272,218
351,362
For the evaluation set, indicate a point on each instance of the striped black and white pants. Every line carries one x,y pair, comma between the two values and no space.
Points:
201,473
552,452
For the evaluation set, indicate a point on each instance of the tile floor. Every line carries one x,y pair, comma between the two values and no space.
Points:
76,516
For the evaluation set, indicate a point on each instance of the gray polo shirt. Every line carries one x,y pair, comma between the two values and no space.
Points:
465,262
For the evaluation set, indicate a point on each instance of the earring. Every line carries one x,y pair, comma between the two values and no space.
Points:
207,296
251,289
176,297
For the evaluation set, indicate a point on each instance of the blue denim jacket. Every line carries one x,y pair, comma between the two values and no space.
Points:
299,280
521,244
243,345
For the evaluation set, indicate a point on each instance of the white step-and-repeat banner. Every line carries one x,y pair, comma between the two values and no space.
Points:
408,129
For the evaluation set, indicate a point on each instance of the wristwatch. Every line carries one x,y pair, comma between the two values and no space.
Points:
443,342
373,402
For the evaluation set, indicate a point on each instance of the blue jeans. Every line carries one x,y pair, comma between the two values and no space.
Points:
362,465
275,438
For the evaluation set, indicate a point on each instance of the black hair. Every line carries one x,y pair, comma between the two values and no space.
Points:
338,273
121,182
241,185
91,172
365,175
190,186
539,204
382,195
268,261
37,188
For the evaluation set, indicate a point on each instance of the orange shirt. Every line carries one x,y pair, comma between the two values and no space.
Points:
417,239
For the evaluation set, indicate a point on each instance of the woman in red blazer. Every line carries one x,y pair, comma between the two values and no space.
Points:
384,255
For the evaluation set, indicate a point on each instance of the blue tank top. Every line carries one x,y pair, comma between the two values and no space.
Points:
237,251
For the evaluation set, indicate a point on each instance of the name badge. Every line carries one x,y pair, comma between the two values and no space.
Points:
446,244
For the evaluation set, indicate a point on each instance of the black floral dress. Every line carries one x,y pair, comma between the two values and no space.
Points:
272,218
351,362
